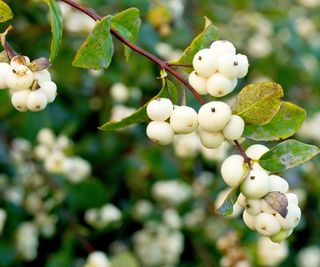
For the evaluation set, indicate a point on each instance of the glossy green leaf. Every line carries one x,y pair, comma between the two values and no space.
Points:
258,103
126,259
56,27
287,154
169,91
283,125
97,51
227,206
127,23
203,40
5,12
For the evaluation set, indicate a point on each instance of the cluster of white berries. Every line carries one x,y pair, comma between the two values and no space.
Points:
30,90
214,122
217,68
255,185
53,151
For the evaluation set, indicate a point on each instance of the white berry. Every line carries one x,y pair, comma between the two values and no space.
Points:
234,128
219,85
205,62
4,70
159,109
214,116
19,78
222,46
241,200
267,224
160,132
49,89
37,101
42,76
253,206
209,139
265,207
256,151
19,60
278,184
184,120
228,65
233,170
19,100
243,65
292,218
198,83
249,220
256,184
292,198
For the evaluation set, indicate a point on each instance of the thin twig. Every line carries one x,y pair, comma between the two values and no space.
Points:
247,160
179,65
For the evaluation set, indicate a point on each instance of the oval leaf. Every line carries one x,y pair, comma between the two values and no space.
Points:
284,124
278,201
258,103
287,154
227,205
127,23
97,51
56,27
5,12
168,90
203,40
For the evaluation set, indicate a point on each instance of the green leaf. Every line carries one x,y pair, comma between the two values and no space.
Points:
5,12
126,259
287,154
227,206
141,114
97,51
283,125
203,40
127,23
56,27
258,103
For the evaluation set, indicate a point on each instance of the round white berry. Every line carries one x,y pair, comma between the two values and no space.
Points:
278,184
184,120
265,207
19,100
19,60
234,128
228,65
243,65
233,170
37,101
241,200
210,139
159,109
19,78
218,85
214,116
4,70
222,46
267,224
205,62
256,151
49,89
42,76
160,132
249,220
256,184
198,83
253,206
292,218
292,198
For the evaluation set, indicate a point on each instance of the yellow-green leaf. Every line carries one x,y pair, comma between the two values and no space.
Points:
56,27
227,206
203,40
5,12
127,23
288,154
284,124
258,103
97,51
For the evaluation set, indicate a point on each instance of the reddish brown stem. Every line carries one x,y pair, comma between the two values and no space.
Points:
247,160
9,50
179,65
